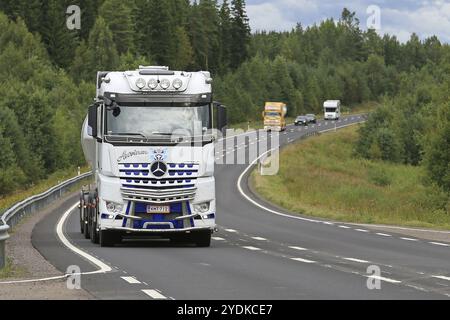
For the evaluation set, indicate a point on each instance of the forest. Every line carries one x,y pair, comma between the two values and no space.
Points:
47,75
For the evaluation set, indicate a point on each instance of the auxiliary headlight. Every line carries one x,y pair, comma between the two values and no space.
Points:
114,207
201,207
153,84
177,84
140,83
165,84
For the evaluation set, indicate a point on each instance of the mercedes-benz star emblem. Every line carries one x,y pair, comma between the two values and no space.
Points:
158,169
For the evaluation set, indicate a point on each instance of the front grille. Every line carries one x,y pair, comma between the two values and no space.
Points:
139,184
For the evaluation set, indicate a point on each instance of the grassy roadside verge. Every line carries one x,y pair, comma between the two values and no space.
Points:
52,180
320,177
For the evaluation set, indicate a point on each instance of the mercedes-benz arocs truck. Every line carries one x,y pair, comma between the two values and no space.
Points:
274,116
149,138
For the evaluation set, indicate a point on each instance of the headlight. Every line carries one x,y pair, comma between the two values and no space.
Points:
201,207
140,83
165,84
114,207
153,84
177,84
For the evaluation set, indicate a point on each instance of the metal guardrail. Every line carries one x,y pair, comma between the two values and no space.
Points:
13,215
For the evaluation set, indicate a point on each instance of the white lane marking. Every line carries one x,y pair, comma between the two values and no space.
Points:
384,279
154,294
230,230
357,260
442,277
398,228
298,248
131,280
383,234
329,223
362,230
441,244
218,238
59,231
251,248
344,227
409,239
259,238
303,260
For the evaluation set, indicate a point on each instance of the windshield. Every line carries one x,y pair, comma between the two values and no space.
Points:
158,120
330,109
272,114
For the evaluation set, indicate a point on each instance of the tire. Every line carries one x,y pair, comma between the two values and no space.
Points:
81,217
93,231
87,232
203,240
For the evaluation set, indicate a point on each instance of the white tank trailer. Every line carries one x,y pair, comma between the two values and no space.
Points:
149,138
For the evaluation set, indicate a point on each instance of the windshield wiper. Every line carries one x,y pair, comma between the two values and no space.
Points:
130,134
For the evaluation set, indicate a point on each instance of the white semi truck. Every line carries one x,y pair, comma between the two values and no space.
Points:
149,138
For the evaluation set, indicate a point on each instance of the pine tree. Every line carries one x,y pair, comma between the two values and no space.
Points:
59,40
226,39
118,17
240,31
102,53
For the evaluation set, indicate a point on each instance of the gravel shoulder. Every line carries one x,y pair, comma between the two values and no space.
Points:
27,263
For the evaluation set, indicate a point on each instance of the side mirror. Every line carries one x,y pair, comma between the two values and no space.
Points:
221,117
92,120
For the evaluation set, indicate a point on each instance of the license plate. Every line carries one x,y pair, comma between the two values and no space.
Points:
158,209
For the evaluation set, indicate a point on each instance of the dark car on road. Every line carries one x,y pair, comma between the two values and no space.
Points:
311,118
301,120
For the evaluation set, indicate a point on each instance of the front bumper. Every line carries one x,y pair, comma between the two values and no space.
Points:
162,231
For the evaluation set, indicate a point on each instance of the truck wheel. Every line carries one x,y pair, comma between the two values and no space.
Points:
107,239
94,233
87,232
81,218
203,240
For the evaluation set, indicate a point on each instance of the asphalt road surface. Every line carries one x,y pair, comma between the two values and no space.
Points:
260,252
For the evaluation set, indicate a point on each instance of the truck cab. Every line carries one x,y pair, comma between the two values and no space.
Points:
274,116
332,110
149,138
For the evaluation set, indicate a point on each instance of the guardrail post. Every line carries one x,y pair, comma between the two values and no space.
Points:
3,236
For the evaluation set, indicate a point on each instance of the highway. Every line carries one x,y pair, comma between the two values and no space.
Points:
260,252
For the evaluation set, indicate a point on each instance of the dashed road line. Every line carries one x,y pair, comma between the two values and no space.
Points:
356,260
230,230
384,279
218,238
409,239
303,260
298,248
383,234
153,294
442,277
441,244
344,227
131,280
251,248
259,238
361,230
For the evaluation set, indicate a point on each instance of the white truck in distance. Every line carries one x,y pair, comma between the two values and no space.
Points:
149,138
332,109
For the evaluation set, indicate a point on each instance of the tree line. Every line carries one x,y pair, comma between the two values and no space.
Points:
48,73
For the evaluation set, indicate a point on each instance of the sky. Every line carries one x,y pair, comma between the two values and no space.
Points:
396,17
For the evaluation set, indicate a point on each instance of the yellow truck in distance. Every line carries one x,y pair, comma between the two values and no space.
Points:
275,116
